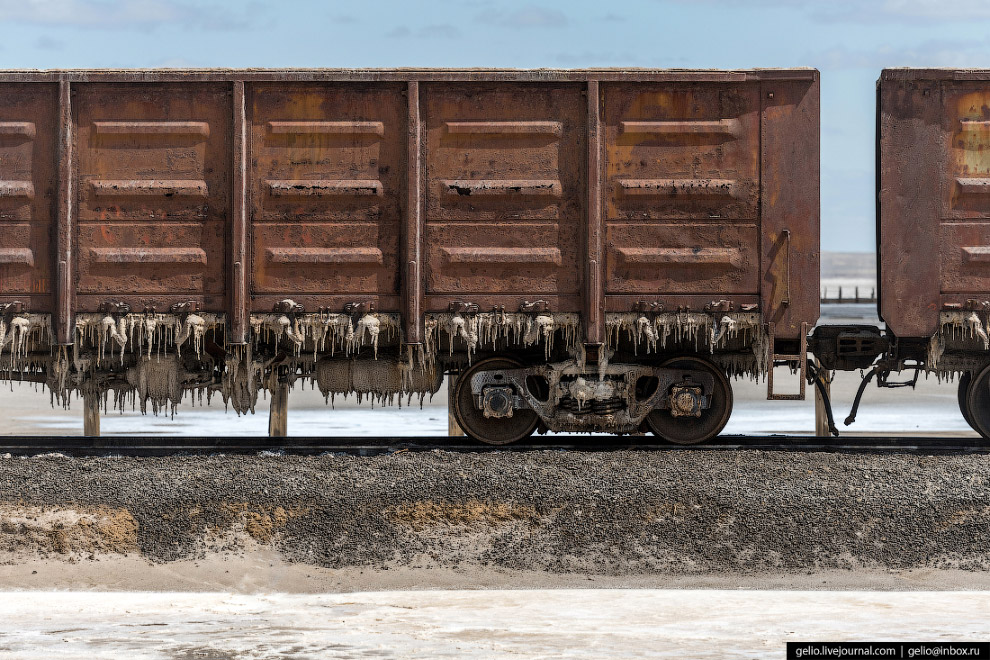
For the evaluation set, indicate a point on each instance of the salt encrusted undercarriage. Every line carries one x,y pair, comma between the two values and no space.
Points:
959,350
961,344
153,362
574,396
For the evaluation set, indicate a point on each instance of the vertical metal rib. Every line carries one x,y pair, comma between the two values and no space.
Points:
412,229
64,220
239,225
594,302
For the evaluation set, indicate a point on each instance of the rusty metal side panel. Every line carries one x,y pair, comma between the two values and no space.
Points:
328,179
682,189
912,152
789,205
965,228
965,260
719,261
505,195
28,130
153,189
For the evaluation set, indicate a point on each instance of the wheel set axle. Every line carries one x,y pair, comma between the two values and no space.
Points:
684,400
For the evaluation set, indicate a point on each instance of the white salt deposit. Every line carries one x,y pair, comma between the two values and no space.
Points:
572,623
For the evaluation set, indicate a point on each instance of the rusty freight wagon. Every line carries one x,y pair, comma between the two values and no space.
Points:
588,250
933,235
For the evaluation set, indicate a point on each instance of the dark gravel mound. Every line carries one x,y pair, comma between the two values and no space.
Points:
605,513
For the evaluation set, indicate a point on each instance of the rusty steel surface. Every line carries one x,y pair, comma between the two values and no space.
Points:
934,195
682,191
28,134
504,182
153,190
591,190
326,181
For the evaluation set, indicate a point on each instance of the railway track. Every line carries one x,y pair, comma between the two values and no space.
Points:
374,446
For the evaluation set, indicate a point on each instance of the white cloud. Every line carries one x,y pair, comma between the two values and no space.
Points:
590,59
120,13
443,31
870,11
901,10
45,42
527,17
933,53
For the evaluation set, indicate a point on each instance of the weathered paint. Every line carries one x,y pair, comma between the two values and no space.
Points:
410,189
934,195
27,196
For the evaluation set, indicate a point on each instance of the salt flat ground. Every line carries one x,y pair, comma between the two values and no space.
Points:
568,623
931,409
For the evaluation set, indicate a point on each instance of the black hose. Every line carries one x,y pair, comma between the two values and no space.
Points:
859,395
816,376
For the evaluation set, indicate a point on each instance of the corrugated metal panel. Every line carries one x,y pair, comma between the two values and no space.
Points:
590,190
934,226
682,189
27,161
153,182
504,186
327,181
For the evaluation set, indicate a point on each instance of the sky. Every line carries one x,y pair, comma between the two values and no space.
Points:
849,41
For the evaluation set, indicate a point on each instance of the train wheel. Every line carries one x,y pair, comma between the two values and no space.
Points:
492,430
964,382
689,430
978,402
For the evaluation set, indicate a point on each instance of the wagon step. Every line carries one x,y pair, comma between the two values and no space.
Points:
801,359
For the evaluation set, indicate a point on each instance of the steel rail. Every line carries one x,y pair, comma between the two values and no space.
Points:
374,446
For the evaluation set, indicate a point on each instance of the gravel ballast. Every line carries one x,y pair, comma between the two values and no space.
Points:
618,513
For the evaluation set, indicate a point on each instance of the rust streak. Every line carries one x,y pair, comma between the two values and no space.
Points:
521,128
464,187
200,128
17,189
327,128
22,256
120,255
293,255
324,187
696,255
725,127
164,187
24,129
675,187
501,255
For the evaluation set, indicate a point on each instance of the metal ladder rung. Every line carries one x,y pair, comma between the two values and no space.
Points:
801,359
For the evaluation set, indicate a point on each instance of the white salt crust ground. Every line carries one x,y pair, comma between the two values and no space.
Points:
571,623
931,409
